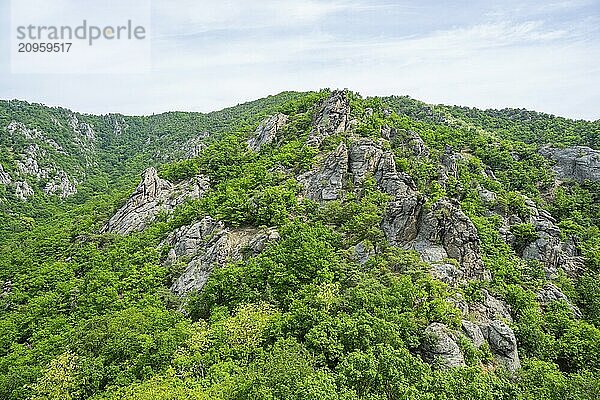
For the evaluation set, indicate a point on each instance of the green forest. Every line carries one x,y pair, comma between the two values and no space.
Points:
344,301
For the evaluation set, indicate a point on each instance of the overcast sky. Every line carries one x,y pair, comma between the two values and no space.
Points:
206,55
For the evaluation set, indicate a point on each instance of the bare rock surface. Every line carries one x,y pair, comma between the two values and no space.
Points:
579,163
326,183
151,196
440,347
473,332
333,117
550,293
267,131
503,343
490,308
446,232
208,244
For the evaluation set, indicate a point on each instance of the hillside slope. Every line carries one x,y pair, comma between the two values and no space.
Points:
309,245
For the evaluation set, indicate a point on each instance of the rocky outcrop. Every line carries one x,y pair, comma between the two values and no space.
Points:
327,182
267,131
332,117
490,308
550,293
208,244
440,347
61,184
29,165
414,142
400,221
548,246
579,163
23,190
487,322
473,332
449,164
152,196
194,146
446,232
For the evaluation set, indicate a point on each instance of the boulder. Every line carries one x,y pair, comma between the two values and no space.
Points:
440,347
503,343
473,332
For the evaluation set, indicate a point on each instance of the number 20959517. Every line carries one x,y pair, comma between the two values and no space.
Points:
25,47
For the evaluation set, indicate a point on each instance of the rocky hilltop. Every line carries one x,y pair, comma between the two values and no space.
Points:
440,232
355,248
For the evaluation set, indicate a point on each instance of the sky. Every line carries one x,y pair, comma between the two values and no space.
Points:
207,55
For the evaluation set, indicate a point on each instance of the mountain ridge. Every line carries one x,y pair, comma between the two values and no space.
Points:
352,247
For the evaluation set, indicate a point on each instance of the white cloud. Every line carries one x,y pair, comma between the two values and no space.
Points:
211,57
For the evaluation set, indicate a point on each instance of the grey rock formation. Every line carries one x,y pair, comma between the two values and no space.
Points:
440,347
449,165
579,163
400,221
4,176
363,159
490,308
446,232
326,183
23,190
267,131
333,117
551,293
487,196
60,183
473,332
152,196
441,233
548,248
416,144
15,128
445,272
208,244
488,323
363,251
194,146
458,301
503,343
